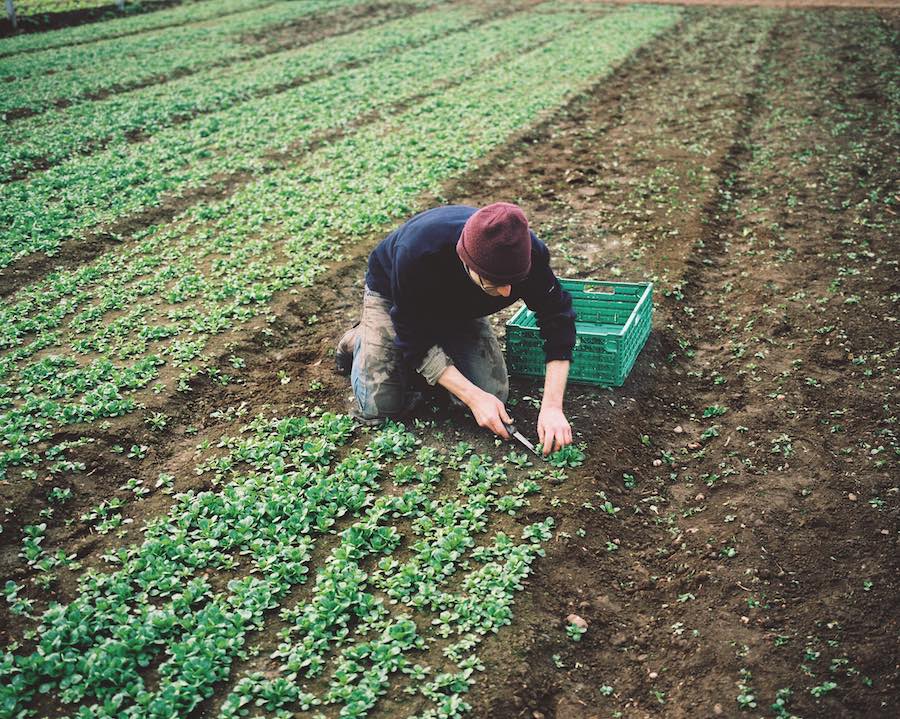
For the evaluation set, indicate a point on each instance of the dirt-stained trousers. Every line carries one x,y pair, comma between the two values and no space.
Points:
384,388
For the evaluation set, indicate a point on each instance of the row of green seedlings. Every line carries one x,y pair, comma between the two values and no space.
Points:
132,177
28,8
282,486
128,177
162,591
75,74
54,136
347,190
136,316
447,530
171,17
111,514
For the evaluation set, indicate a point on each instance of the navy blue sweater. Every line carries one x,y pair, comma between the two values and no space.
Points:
417,268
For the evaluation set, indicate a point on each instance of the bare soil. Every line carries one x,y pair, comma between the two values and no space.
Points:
745,162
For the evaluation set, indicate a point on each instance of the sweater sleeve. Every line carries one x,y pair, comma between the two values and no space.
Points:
552,306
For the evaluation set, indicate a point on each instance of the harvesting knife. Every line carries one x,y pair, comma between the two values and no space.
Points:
515,434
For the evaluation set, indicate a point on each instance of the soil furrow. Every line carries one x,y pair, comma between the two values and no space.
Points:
790,464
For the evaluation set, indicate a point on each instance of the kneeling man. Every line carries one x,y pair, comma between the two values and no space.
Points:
429,286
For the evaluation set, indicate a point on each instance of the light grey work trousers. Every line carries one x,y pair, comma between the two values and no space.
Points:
384,388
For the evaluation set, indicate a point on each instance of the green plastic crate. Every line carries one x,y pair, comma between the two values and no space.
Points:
612,324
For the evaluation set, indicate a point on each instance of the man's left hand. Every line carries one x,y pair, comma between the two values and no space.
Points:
553,429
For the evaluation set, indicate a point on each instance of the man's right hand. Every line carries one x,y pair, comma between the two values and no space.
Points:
486,408
490,412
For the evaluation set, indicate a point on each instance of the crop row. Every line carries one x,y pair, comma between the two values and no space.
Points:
447,542
219,265
24,8
72,75
281,491
183,14
57,135
56,205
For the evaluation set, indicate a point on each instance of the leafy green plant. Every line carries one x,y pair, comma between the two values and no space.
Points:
568,456
823,689
714,411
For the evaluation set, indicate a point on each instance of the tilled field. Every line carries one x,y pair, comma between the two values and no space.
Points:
212,543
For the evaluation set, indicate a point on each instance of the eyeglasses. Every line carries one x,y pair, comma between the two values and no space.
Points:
477,278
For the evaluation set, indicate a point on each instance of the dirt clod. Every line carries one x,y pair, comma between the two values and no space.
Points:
577,621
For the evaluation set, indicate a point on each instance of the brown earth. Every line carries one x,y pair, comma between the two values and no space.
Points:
757,548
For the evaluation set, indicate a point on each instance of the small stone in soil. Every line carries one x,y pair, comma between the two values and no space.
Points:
577,621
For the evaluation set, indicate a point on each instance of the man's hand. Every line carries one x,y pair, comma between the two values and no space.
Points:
490,412
486,408
553,429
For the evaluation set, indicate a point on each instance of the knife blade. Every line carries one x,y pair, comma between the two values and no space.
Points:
515,434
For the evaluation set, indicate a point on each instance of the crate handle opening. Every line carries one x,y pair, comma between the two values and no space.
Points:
599,290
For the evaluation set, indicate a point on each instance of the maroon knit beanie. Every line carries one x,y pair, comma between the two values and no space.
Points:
496,244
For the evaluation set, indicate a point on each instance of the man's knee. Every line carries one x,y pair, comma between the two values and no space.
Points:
378,395
376,377
385,407
393,404
497,383
481,360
